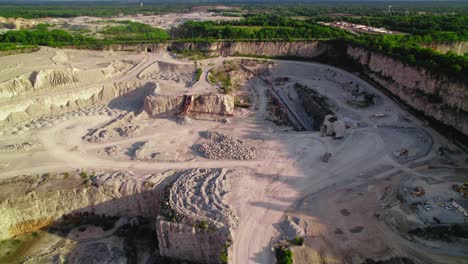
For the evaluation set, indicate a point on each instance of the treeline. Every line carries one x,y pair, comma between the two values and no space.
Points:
425,29
456,24
128,32
407,50
355,8
11,46
258,27
87,9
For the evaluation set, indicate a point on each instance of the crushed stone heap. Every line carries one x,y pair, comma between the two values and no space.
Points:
222,146
196,222
197,195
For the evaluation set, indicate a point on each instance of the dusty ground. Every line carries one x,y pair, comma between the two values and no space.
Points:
338,200
93,25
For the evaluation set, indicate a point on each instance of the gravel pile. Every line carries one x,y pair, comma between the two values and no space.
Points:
146,151
222,146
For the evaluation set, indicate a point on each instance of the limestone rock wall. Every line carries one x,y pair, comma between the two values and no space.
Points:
15,112
221,104
305,49
437,97
190,243
115,194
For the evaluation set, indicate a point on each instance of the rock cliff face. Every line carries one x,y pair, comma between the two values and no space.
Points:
42,200
304,49
196,223
437,97
220,104
181,241
15,112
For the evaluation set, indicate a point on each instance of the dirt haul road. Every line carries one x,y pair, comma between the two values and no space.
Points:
287,177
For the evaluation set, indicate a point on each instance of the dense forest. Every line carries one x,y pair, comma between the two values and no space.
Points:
87,9
128,31
259,27
409,51
135,31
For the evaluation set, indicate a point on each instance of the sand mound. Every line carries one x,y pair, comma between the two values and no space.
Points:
117,66
223,146
179,73
60,57
4,165
16,117
16,86
42,80
54,78
197,195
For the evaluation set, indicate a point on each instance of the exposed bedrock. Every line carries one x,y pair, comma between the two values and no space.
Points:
39,201
196,223
306,49
435,96
219,104
36,81
120,95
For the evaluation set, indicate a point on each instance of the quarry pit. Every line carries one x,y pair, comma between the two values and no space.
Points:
128,157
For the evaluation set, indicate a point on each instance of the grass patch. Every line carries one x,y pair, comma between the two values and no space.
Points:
297,241
239,103
223,257
198,73
135,31
192,54
13,250
283,255
221,76
84,175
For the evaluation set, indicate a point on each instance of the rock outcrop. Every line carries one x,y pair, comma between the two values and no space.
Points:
305,49
28,203
196,223
218,104
437,97
35,81
15,112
